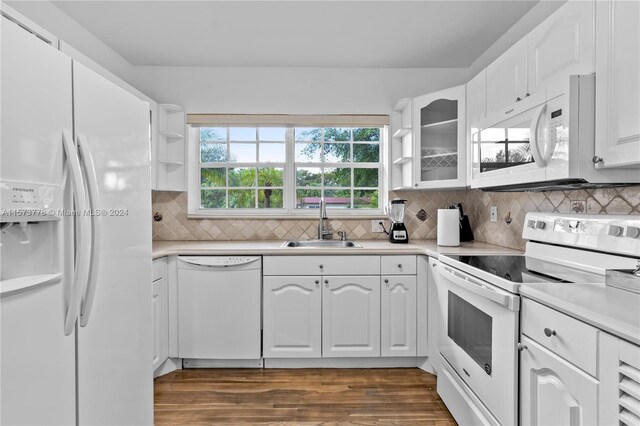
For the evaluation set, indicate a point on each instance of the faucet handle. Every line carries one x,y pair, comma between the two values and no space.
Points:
343,235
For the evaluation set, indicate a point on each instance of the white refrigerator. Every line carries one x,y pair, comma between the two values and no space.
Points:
75,245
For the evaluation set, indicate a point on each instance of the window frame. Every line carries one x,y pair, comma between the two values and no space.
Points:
289,211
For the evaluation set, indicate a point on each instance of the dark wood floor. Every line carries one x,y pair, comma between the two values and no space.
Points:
404,396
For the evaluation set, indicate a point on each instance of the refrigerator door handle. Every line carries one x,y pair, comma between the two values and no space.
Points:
92,189
83,250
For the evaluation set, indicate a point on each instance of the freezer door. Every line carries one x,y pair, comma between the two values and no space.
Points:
37,360
115,384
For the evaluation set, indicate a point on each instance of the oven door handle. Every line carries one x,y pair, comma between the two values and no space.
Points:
503,298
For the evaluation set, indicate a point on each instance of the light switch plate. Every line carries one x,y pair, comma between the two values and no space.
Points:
375,226
494,213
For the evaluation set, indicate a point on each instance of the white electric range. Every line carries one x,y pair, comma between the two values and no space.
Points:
479,303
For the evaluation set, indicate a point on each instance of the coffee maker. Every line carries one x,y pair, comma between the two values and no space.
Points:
398,232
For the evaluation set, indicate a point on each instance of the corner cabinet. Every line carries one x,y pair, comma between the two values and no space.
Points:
440,139
618,84
171,153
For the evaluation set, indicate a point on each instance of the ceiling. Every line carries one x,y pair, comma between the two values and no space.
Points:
368,34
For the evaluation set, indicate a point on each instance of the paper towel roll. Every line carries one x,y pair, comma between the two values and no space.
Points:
448,227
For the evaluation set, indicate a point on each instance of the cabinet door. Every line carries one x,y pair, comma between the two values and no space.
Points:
440,139
618,85
553,391
507,78
292,317
562,45
160,322
398,315
477,98
351,316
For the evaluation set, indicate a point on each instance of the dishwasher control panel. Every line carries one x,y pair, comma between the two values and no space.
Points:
219,261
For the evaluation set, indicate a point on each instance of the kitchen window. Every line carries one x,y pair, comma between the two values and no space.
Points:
284,165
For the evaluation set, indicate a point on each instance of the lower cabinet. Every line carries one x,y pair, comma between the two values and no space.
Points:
351,316
160,318
553,391
398,315
292,323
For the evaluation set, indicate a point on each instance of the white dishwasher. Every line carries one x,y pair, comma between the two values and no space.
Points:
219,307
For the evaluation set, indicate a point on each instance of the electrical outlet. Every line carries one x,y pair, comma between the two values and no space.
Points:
376,225
494,213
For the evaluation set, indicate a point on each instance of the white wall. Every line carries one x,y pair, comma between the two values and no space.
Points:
290,90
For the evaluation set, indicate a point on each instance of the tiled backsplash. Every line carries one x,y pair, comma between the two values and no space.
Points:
176,226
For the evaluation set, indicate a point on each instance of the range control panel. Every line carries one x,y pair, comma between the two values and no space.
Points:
607,233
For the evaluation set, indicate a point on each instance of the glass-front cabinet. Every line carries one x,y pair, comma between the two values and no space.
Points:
439,156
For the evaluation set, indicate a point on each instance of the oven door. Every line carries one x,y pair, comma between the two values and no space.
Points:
479,338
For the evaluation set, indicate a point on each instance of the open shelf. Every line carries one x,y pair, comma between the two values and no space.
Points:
446,154
172,163
402,132
440,123
172,136
171,107
402,160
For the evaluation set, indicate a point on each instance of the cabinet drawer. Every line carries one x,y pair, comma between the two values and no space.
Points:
159,268
321,265
568,337
398,265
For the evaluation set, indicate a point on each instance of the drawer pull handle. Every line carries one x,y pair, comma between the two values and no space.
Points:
466,372
522,347
321,266
549,332
317,281
399,265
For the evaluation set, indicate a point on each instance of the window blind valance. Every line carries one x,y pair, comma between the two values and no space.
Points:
367,120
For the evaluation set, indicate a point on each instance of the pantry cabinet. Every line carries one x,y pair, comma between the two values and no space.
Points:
351,316
292,323
507,79
440,139
618,85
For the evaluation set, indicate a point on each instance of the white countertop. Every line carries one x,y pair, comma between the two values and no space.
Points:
426,247
610,309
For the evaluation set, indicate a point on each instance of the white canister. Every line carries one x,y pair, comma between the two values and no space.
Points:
448,227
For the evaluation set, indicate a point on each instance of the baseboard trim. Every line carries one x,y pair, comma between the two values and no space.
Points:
169,365
396,362
222,363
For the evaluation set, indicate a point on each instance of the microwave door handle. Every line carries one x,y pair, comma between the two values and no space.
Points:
83,249
509,301
92,187
534,142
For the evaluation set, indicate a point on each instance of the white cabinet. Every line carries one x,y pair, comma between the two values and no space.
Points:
618,84
440,139
292,323
160,313
402,145
171,151
562,45
507,79
398,315
351,316
620,381
553,391
477,98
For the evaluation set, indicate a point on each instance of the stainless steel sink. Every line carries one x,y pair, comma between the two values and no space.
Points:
321,244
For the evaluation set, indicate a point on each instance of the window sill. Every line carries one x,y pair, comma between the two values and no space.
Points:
284,216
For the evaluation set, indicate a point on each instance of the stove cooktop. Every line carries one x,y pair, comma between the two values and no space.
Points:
511,268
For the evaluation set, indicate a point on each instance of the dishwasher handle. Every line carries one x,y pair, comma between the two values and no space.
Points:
219,261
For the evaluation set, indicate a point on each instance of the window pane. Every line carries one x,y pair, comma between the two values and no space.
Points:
242,153
213,134
366,134
365,178
270,176
308,176
270,198
366,153
308,152
213,152
337,152
338,198
242,198
213,198
242,176
337,134
242,134
337,177
272,152
307,134
272,134
365,199
308,198
212,177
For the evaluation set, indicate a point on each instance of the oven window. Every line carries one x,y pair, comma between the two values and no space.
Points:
470,328
502,147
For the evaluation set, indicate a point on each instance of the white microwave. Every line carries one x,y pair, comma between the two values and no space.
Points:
546,141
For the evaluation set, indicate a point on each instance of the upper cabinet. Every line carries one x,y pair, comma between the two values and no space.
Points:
618,84
562,45
170,155
439,132
507,78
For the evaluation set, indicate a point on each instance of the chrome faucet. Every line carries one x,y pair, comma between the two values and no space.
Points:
322,232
